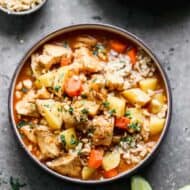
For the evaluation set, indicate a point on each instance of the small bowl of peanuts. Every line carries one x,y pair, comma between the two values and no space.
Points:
21,7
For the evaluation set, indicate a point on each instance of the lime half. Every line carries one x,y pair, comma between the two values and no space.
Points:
187,187
139,183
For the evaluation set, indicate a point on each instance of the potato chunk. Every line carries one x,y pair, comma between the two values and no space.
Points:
45,80
155,106
156,125
136,96
52,112
111,160
87,172
60,77
117,104
160,97
90,106
148,84
135,114
68,138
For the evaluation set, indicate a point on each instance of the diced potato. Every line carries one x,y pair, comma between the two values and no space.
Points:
117,104
69,138
148,84
60,77
155,106
90,106
156,125
45,80
135,115
52,112
87,172
111,160
68,119
136,96
160,97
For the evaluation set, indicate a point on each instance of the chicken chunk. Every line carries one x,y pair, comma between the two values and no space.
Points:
52,54
67,165
43,93
114,81
103,130
85,41
47,142
26,106
37,69
85,61
29,133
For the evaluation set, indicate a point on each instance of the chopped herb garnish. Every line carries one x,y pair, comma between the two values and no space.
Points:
21,124
94,80
99,48
106,104
128,114
46,105
63,141
15,184
65,44
59,109
70,110
135,126
85,111
91,130
56,88
79,152
112,112
84,96
83,119
127,139
24,90
73,140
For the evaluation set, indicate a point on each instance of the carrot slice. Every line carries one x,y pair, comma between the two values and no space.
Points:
95,159
132,54
117,46
73,86
65,61
111,173
122,122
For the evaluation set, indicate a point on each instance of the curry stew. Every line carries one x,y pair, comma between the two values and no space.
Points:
90,105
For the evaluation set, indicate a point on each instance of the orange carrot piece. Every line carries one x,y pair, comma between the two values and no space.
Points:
73,87
122,122
95,159
111,173
132,54
117,46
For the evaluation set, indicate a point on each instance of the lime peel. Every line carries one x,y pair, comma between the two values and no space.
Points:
139,183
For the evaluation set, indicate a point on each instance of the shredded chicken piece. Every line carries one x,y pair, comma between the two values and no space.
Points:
67,165
47,142
103,130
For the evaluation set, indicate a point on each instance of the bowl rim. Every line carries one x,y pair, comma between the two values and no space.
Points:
117,31
21,13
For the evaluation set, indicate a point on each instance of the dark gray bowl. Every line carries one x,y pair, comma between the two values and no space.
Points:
22,13
111,29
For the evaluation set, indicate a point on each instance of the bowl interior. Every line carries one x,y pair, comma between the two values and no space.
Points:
116,31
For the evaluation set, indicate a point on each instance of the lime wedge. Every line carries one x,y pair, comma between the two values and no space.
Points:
187,187
139,183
